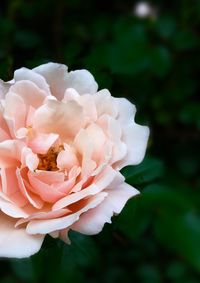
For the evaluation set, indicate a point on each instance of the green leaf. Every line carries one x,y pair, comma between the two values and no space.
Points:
149,170
180,233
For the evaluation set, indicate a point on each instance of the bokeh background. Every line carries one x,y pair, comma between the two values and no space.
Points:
154,62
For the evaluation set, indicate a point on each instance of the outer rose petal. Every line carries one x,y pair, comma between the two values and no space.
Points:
29,75
56,76
30,93
16,242
4,131
4,87
48,226
82,81
92,221
59,79
135,137
12,209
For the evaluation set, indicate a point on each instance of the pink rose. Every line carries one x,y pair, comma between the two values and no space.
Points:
62,145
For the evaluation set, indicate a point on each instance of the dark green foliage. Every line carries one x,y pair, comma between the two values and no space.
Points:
155,63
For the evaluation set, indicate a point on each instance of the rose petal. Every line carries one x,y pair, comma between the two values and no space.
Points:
15,119
10,153
68,116
24,186
56,76
4,88
135,137
126,110
82,81
45,191
92,221
99,184
29,75
15,242
104,103
67,159
11,209
40,143
48,226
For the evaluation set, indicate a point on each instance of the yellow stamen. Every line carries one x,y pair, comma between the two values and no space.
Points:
47,161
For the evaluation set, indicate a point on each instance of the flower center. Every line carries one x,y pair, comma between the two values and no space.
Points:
48,161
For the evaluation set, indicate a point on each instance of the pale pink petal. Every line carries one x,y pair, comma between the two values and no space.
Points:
15,119
4,88
99,184
49,177
9,181
10,153
104,103
82,81
29,116
66,186
135,137
113,131
67,159
48,226
29,92
106,155
40,143
115,135
68,116
126,110
10,188
92,221
29,159
98,140
56,76
24,186
43,216
89,107
4,131
71,94
86,101
15,242
29,75
45,191
83,144
11,209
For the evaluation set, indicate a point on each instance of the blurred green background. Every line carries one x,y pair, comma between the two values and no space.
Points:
154,62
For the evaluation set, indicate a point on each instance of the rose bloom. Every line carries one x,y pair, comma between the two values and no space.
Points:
62,145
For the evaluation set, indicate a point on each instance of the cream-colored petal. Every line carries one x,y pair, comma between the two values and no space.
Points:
16,242
29,75
48,226
82,81
92,221
68,116
56,77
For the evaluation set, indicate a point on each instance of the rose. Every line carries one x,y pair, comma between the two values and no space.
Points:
62,145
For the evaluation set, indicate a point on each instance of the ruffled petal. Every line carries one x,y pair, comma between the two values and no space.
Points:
56,77
29,75
68,116
82,81
92,221
48,226
135,137
100,183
